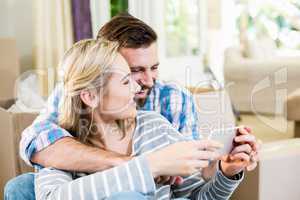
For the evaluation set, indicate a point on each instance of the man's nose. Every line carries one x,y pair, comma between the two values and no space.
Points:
147,78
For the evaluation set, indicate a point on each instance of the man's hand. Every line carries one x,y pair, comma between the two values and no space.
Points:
245,154
71,155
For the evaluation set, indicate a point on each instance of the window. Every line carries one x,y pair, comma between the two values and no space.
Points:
179,24
103,10
118,6
182,44
182,28
277,20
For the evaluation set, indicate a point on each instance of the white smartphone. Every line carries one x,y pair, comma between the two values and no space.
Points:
226,137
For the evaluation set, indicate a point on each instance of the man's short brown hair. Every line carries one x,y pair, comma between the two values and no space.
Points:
129,31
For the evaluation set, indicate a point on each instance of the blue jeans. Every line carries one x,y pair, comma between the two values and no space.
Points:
20,188
127,196
132,196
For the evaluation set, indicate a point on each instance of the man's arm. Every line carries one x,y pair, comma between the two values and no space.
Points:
69,154
46,144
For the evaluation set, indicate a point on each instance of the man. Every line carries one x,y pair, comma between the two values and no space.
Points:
45,144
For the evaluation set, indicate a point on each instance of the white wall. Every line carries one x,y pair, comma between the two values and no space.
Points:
16,21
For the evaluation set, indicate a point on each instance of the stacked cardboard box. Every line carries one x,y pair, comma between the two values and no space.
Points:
11,124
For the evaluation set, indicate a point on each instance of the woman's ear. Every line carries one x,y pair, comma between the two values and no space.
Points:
89,98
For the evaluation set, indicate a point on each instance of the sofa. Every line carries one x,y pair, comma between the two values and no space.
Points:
260,84
293,110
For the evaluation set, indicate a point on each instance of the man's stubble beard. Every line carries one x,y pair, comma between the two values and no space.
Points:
141,102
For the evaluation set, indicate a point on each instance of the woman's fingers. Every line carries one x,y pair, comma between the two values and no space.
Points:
245,139
208,145
241,156
243,130
242,148
251,166
206,155
193,166
200,164
255,158
248,129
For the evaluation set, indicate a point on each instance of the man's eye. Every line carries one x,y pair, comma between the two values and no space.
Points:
135,71
126,82
154,68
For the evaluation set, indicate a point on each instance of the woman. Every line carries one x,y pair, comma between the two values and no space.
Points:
99,109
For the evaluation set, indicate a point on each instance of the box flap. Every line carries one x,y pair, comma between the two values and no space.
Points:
21,121
9,68
6,104
8,163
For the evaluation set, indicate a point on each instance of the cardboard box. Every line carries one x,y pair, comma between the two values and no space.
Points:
12,125
277,174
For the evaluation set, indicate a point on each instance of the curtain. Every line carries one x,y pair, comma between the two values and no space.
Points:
144,10
100,14
82,19
53,35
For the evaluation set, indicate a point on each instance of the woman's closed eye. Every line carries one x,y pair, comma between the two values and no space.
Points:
126,79
126,82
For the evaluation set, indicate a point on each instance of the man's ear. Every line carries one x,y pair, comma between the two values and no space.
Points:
89,98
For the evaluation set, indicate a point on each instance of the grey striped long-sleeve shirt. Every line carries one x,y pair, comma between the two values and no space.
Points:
152,133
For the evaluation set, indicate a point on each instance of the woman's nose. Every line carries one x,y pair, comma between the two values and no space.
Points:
135,86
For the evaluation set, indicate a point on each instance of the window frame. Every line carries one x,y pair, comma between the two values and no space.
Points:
191,66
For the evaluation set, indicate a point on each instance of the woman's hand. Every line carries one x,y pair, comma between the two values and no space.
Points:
183,158
170,180
244,155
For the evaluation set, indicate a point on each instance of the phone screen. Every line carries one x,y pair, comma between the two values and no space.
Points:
226,137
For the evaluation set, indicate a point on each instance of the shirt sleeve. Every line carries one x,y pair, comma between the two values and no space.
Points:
219,187
134,175
180,110
45,130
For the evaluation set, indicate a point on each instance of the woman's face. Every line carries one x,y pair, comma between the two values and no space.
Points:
117,99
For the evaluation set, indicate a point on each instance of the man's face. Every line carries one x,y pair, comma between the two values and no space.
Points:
143,63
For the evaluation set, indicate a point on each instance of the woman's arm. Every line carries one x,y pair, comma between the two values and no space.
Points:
134,175
194,186
219,187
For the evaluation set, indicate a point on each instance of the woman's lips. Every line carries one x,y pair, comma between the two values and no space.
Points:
141,93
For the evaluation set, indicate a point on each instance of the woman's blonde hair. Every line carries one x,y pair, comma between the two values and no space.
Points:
85,67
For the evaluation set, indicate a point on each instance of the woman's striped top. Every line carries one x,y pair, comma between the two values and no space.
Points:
152,132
